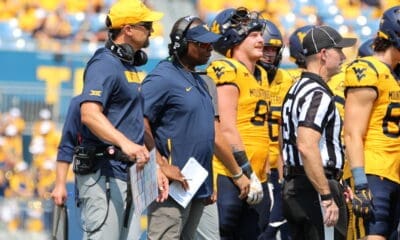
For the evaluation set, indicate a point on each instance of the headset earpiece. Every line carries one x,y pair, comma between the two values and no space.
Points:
126,53
179,44
139,58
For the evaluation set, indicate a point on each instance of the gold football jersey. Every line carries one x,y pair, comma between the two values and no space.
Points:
336,84
277,89
252,110
382,140
295,73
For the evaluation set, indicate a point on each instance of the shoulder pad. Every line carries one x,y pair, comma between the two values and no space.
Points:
361,72
222,71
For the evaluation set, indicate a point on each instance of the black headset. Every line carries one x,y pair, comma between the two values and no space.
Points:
126,53
179,44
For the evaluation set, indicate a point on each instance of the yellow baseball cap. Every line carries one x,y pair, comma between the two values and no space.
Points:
126,12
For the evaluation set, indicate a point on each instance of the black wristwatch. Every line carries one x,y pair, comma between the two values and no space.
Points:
325,197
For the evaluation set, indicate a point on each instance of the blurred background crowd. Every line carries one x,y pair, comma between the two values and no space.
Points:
78,25
27,165
25,186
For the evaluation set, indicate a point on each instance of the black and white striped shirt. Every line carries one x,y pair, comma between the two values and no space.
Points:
310,103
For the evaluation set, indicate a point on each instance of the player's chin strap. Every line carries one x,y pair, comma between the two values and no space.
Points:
270,68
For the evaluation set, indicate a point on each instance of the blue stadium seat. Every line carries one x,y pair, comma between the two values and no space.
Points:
75,20
7,29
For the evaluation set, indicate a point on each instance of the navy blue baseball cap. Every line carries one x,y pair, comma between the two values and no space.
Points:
201,33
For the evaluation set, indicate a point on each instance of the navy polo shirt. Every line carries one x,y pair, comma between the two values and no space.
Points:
181,114
115,85
70,132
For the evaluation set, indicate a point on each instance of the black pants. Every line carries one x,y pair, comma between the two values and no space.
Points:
302,209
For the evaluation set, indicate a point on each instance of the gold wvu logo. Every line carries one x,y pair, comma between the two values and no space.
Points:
215,27
301,35
218,71
95,93
359,72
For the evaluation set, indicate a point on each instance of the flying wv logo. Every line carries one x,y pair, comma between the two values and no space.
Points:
218,71
359,72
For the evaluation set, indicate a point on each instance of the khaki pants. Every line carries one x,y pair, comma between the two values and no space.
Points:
208,228
102,220
168,220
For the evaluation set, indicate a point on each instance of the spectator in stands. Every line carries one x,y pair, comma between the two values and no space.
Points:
45,138
3,181
22,182
14,125
46,177
30,17
8,9
207,10
55,26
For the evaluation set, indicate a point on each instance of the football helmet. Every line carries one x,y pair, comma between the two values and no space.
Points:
296,45
272,38
366,48
234,25
389,27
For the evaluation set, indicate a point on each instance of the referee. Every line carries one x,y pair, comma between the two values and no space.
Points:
313,154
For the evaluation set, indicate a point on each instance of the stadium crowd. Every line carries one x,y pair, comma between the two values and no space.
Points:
51,24
26,185
54,24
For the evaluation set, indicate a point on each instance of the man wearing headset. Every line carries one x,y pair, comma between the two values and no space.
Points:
179,115
112,114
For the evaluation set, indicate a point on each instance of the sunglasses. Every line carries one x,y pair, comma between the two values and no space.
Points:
201,44
147,25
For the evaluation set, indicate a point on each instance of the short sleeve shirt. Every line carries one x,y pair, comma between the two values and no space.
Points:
116,86
181,114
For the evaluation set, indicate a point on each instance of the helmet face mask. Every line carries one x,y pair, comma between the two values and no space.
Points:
234,25
389,27
243,20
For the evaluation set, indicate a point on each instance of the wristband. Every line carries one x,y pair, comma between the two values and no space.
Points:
240,157
359,176
325,197
237,176
243,162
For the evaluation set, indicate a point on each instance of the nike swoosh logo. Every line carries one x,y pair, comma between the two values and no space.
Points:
188,89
